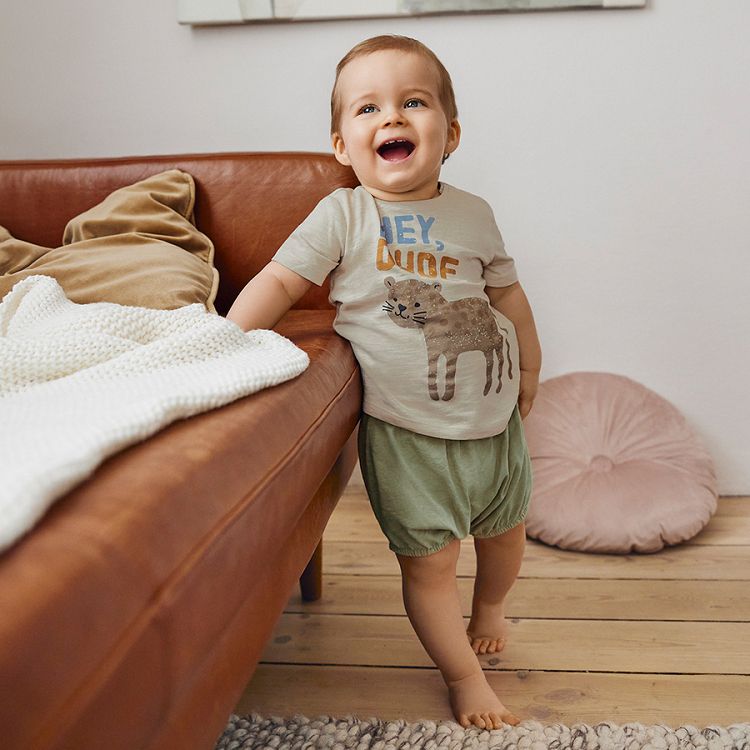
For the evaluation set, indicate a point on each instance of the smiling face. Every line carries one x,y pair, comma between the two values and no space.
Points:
393,131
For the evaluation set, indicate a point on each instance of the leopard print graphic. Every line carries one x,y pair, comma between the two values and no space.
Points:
449,328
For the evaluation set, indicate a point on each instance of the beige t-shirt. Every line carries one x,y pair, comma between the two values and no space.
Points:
408,282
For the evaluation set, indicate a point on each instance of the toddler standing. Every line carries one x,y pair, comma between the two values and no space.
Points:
446,341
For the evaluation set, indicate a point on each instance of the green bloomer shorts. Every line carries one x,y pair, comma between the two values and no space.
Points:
427,491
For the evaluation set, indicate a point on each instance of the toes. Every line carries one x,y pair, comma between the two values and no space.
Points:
486,645
495,721
478,721
496,646
488,722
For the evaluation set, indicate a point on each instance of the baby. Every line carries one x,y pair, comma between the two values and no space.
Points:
419,270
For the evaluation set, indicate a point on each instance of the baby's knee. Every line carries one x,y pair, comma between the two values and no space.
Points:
435,566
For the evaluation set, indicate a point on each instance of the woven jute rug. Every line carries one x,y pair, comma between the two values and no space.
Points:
298,733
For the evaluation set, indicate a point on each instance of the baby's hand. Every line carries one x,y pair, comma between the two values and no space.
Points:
527,393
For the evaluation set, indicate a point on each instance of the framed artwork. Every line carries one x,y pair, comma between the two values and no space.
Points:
205,12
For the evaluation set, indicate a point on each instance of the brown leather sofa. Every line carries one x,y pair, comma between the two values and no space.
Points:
134,614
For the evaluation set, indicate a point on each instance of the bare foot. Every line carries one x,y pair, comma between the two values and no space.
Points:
474,702
488,629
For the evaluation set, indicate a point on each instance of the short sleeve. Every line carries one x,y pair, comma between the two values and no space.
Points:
315,247
500,270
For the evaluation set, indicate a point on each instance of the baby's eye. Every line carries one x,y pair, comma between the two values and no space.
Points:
413,103
368,109
416,304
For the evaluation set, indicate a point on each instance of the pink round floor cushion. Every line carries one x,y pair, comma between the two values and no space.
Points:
616,467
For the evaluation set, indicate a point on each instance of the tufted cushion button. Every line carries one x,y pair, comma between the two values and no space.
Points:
601,463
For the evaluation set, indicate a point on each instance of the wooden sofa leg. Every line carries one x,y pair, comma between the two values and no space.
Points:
311,580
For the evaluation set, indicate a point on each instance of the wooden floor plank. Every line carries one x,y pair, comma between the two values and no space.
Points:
560,645
675,563
732,505
659,638
726,530
552,598
354,521
736,505
549,697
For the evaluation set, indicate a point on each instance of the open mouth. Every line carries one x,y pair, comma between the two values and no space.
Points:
397,149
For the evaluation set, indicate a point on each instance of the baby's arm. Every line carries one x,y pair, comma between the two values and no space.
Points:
267,296
511,301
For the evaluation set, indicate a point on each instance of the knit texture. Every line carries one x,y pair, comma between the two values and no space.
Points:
79,382
299,733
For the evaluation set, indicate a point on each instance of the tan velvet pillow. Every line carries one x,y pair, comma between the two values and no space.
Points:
137,247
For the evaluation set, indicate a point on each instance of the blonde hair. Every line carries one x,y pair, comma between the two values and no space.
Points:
401,44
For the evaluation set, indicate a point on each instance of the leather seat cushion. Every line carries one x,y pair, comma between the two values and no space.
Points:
161,550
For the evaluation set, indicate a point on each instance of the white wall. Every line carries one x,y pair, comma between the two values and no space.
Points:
613,145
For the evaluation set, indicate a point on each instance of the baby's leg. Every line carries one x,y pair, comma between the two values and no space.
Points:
498,562
432,604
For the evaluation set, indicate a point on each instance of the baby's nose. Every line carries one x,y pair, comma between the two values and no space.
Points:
401,308
394,118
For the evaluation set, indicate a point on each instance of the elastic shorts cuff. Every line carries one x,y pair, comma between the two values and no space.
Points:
508,526
422,552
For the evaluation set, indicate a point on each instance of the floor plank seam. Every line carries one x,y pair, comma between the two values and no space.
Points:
499,670
625,580
519,619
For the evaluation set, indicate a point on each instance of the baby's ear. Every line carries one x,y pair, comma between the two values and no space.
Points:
453,139
389,281
339,150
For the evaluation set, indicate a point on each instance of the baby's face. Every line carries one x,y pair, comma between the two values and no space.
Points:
393,130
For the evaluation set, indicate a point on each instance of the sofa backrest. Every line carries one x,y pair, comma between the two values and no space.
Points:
247,203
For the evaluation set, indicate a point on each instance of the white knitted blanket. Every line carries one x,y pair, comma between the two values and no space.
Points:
80,382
